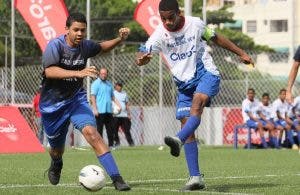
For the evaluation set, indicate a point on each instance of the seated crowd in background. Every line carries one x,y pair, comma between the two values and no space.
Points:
274,118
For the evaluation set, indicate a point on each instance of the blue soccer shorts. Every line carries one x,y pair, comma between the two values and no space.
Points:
56,123
209,84
252,124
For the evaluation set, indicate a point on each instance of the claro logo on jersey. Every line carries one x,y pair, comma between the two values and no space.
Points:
182,56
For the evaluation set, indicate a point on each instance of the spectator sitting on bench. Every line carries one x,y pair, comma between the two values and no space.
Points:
249,112
280,107
266,115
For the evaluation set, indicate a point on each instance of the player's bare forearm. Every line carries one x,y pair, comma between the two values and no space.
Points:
227,44
110,44
56,72
292,75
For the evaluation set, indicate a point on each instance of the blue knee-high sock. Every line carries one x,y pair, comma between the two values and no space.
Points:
274,141
189,128
109,164
279,141
191,157
298,136
263,141
290,136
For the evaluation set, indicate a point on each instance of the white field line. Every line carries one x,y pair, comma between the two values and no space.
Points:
74,185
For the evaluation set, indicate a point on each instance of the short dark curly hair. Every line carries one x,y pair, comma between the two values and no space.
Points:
168,5
75,17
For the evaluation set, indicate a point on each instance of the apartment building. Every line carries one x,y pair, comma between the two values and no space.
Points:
275,23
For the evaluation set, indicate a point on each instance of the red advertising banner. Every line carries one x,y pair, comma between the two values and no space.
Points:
15,134
46,18
231,118
147,15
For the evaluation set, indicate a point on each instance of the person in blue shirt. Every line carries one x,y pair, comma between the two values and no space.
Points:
122,119
64,100
102,96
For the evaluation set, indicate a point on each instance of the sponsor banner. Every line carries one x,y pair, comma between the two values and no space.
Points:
46,18
147,15
231,118
16,135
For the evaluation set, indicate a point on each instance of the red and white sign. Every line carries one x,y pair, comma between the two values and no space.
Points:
46,18
15,134
147,15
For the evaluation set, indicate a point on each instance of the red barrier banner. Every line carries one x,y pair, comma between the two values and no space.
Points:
147,15
231,118
15,134
46,18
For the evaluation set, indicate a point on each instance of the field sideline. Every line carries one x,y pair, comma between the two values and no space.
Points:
151,171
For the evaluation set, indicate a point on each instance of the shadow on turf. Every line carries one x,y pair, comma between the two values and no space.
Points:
230,187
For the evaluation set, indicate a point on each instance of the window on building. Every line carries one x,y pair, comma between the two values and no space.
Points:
279,26
251,26
228,3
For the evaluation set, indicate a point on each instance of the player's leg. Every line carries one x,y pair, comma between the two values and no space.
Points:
201,95
100,124
115,129
126,123
195,181
83,119
289,133
297,126
260,129
56,130
108,121
272,134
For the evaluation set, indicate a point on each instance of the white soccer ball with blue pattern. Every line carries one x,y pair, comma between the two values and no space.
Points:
92,177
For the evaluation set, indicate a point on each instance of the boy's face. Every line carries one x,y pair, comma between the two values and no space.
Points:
170,19
265,100
75,33
282,95
251,95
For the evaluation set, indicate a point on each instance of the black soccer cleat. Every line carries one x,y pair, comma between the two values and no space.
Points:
175,145
119,183
54,172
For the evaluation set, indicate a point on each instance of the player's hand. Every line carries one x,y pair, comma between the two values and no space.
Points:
88,72
144,59
123,33
95,112
289,97
246,59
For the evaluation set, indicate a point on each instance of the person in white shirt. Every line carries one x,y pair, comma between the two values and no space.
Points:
122,119
266,115
182,42
250,107
280,107
294,116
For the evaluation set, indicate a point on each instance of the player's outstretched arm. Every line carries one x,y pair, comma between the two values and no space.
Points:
56,72
142,58
110,44
292,77
227,44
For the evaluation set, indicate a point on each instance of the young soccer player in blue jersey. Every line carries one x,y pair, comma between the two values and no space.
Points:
64,100
182,42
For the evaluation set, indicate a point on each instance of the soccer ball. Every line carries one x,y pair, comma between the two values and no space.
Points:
92,177
115,108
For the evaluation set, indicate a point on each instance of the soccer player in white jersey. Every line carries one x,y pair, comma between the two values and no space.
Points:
250,107
280,107
182,42
266,115
294,115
